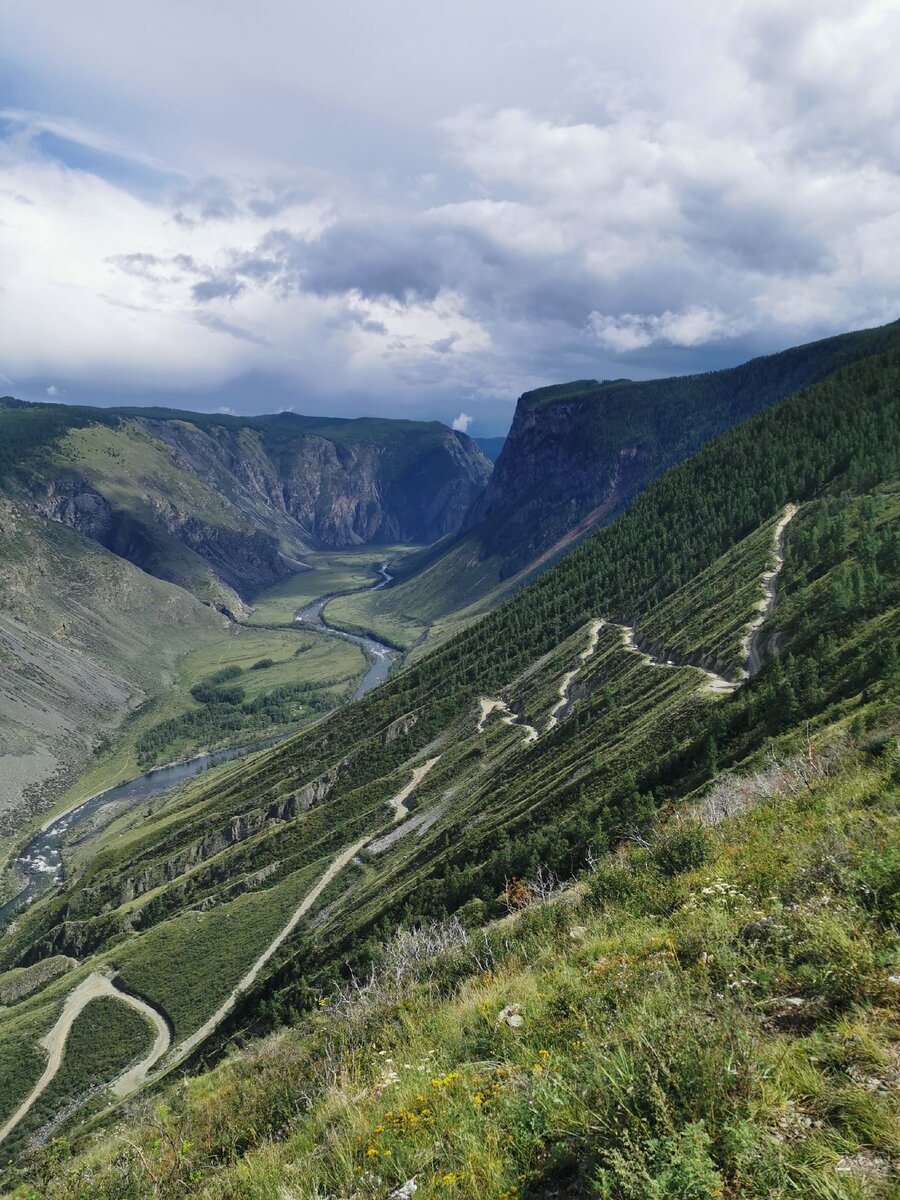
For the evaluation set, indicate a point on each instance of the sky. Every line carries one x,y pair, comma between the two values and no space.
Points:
420,209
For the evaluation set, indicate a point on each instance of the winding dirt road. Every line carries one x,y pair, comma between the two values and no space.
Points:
565,700
492,704
398,802
714,682
94,987
98,985
750,646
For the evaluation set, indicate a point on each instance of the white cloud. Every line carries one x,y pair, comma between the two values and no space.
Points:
461,423
632,331
637,183
53,390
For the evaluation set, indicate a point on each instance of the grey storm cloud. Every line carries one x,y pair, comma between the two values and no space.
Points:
454,204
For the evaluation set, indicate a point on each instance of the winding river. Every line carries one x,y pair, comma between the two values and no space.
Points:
40,863
381,657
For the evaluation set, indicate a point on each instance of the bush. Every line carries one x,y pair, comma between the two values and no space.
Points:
262,663
682,849
204,694
225,675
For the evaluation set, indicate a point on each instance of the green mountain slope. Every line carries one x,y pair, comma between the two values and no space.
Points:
225,505
541,731
85,637
576,454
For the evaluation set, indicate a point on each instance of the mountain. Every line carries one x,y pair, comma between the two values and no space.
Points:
575,456
490,447
226,505
722,654
121,532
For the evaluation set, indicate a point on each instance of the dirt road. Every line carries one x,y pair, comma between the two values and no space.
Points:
94,987
398,802
490,705
564,699
752,651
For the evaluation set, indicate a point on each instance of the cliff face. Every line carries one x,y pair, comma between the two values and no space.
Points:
556,477
578,452
227,505
331,492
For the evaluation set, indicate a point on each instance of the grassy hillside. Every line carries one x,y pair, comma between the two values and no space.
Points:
216,868
709,1014
85,637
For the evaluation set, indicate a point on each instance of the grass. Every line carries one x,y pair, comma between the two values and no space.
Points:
331,571
165,967
106,1037
711,1015
336,664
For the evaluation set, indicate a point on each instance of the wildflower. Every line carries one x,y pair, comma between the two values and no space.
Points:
449,1179
372,1152
544,1053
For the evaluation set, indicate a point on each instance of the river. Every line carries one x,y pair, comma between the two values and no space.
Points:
381,657
40,862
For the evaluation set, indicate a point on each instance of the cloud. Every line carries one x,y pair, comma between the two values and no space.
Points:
461,423
631,331
53,390
643,190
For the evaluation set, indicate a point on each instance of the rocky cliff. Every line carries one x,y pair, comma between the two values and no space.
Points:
576,453
227,505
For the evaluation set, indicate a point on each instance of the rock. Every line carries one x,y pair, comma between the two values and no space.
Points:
405,1191
511,1015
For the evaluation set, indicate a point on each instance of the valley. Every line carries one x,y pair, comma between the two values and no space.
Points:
97,984
715,628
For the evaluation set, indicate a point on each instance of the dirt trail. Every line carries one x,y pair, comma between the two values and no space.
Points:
714,682
492,704
94,987
398,803
750,647
564,699
97,985
183,1049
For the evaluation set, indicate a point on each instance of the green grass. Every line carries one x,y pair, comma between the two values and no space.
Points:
331,571
106,1037
337,665
424,610
187,966
711,1015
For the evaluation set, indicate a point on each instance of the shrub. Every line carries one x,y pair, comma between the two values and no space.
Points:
682,849
262,663
204,694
